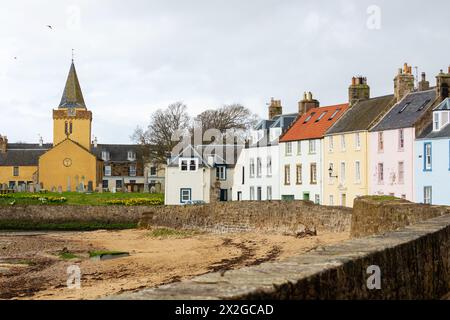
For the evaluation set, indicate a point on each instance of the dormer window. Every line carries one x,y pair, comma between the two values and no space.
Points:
131,156
105,155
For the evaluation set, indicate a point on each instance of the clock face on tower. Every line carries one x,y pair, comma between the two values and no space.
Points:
67,162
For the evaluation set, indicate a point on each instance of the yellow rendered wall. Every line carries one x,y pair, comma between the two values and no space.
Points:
81,131
351,188
25,174
53,173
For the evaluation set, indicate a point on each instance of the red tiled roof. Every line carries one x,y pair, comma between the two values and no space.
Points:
314,123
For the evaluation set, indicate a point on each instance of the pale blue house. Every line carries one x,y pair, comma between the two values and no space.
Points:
432,159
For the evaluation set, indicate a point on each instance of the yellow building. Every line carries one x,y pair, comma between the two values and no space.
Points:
69,162
346,150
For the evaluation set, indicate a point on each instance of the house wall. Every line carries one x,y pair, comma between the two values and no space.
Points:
198,181
25,174
439,176
334,188
264,180
390,157
304,158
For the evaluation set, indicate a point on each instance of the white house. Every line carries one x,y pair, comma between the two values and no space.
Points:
257,174
200,174
301,150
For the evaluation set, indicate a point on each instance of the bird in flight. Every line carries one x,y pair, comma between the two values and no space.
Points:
15,58
49,26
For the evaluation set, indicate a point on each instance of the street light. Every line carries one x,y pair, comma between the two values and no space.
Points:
330,171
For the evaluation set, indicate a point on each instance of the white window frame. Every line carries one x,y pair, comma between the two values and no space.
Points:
107,171
343,173
312,146
343,143
401,140
380,173
269,166
252,168
299,148
182,195
357,141
188,162
269,193
287,175
288,151
357,171
132,170
401,173
221,172
427,195
252,193
105,156
131,156
380,141
258,167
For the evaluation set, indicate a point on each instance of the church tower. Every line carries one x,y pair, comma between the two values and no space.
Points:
72,119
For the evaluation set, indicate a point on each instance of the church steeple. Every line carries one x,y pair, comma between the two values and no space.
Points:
72,96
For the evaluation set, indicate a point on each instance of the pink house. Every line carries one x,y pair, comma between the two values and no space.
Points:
391,145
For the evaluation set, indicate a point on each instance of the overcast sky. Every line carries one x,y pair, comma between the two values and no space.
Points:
133,57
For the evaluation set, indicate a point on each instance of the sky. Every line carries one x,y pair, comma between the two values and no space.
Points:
133,57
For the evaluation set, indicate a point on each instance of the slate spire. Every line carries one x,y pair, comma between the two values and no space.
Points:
72,96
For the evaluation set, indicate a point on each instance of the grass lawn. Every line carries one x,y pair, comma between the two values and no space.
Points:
75,198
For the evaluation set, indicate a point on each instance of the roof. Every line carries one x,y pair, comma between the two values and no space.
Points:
314,123
430,134
223,154
444,105
72,96
362,115
118,152
280,121
23,154
405,113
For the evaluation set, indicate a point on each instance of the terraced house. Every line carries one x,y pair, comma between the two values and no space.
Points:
257,171
392,140
301,151
432,159
346,146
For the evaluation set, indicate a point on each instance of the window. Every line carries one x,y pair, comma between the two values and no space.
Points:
298,174
334,114
317,199
269,166
299,147
404,107
221,173
259,193
401,172
357,141
343,142
118,184
357,172
331,200
403,196
243,175
105,155
313,172
321,116
330,144
188,164
68,128
427,156
252,168
380,173
401,140
105,184
16,171
185,195
380,142
252,193
131,156
269,193
132,170
424,104
427,195
309,117
289,148
258,167
287,174
132,181
344,200
342,175
312,146
153,171
435,121
108,171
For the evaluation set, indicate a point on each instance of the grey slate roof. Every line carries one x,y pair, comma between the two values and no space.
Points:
23,154
229,155
430,134
72,96
406,112
281,121
118,152
362,115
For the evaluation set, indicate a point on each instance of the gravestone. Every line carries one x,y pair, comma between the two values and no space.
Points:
100,187
53,189
90,186
31,188
59,189
69,187
81,188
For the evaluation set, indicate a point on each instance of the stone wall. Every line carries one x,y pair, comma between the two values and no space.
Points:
271,216
414,264
374,215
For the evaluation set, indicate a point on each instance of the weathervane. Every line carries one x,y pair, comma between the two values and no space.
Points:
72,54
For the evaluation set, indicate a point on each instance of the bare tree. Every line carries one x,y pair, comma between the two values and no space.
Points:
164,124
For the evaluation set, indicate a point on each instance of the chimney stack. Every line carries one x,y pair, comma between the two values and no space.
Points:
3,144
95,142
275,108
403,82
307,103
443,84
424,84
41,141
358,90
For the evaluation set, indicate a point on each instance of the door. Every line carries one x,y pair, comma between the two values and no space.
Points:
259,194
223,195
344,200
305,196
239,196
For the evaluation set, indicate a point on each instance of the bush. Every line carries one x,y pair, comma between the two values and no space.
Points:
136,202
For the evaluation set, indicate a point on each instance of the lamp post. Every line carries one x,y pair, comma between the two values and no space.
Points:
330,171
